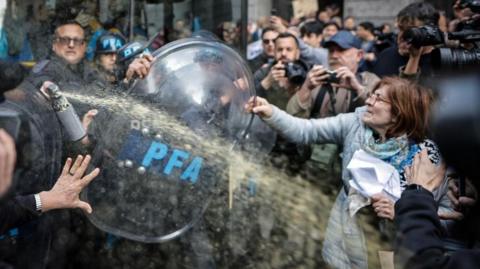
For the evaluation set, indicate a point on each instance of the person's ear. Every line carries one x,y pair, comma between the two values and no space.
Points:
360,54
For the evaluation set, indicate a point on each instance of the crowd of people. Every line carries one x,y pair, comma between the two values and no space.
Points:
329,87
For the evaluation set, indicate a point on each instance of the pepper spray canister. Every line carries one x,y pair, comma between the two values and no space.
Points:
66,114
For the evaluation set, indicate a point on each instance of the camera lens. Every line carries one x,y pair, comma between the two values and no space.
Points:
296,72
446,58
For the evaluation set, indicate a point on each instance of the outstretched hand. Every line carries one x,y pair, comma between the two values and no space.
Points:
66,191
259,106
140,67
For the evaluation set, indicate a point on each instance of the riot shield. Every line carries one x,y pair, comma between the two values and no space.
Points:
164,148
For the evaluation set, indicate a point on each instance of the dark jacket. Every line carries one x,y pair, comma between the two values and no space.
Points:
23,232
419,233
78,78
257,62
389,62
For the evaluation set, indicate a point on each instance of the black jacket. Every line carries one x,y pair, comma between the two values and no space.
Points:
419,234
39,160
257,62
389,62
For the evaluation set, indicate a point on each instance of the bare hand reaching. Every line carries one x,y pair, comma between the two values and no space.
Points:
260,106
140,67
66,191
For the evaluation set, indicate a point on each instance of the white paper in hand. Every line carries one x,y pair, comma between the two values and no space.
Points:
372,175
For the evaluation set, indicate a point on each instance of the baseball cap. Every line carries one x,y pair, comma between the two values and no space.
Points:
345,40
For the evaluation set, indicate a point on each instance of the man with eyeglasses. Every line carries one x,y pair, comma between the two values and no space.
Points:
268,45
67,66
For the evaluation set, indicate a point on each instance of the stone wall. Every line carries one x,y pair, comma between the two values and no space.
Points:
376,11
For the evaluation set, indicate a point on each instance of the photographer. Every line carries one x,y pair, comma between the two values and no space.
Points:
326,94
392,61
271,82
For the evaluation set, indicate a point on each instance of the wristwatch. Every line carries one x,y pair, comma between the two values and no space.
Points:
38,203
415,187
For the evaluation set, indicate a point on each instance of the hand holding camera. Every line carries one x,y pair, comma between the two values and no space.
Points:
347,79
276,74
278,71
317,76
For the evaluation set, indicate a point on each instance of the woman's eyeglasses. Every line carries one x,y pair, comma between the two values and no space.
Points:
375,96
65,41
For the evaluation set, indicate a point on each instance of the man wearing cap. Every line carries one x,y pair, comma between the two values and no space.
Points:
319,98
106,57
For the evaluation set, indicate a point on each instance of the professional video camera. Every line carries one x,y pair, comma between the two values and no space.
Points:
462,49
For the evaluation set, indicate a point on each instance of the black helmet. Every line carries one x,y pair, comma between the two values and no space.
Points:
131,50
109,43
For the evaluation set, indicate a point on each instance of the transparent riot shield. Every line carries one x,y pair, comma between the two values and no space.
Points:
163,149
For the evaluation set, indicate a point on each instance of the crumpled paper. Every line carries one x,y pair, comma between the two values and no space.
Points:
371,176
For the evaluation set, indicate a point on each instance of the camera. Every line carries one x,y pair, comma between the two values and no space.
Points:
424,36
455,59
296,72
453,56
332,77
474,5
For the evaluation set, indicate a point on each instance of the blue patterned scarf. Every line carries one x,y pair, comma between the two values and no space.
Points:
397,151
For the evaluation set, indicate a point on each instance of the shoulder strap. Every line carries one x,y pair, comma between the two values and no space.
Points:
317,105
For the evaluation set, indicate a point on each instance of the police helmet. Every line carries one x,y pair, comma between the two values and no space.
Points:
109,43
131,50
